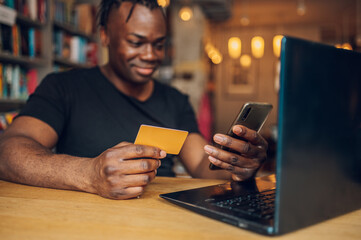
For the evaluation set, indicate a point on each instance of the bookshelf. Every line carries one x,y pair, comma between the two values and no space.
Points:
6,57
73,31
34,53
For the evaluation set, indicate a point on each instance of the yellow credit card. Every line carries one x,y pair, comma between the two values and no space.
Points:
167,139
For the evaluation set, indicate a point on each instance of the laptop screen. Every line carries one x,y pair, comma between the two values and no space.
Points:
318,152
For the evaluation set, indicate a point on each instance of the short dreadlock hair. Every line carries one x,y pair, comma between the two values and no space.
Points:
106,5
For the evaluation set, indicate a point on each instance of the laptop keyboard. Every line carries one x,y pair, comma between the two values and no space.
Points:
258,205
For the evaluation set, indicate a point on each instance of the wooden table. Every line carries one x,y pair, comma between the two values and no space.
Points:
38,213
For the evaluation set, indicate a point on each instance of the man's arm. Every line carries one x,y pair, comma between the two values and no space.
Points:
241,164
26,157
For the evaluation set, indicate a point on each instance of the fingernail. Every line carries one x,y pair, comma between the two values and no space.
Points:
212,159
218,138
208,149
159,163
237,130
163,154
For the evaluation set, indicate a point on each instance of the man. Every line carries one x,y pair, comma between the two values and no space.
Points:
92,115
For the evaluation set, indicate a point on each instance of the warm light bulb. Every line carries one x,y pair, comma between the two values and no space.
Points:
277,45
185,13
301,8
234,47
217,59
163,3
245,21
212,53
257,45
245,60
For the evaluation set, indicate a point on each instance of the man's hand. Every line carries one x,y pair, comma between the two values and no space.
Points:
247,156
124,170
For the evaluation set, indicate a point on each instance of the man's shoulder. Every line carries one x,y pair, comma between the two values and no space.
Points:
70,78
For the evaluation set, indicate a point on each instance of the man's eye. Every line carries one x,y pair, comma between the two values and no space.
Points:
159,46
135,44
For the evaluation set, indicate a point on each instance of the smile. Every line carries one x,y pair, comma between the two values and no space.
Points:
144,71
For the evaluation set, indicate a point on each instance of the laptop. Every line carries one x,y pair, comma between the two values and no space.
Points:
318,159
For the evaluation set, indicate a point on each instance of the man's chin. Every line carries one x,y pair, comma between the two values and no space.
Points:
141,81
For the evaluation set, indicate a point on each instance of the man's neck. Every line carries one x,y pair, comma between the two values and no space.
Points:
141,92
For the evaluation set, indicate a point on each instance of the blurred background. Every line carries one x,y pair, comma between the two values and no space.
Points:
222,53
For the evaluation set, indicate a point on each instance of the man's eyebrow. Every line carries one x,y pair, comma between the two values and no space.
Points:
143,37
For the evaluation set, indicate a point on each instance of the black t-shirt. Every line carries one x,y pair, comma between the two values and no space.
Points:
90,115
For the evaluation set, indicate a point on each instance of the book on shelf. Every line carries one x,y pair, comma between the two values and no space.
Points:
32,9
15,40
38,43
62,11
24,42
6,38
9,3
32,81
92,54
74,48
58,36
42,7
7,79
31,33
22,7
16,82
20,40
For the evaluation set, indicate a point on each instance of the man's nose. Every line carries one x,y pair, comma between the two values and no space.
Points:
148,53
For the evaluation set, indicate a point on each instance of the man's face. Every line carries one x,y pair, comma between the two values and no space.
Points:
136,47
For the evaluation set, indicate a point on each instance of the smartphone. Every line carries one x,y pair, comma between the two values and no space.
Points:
252,115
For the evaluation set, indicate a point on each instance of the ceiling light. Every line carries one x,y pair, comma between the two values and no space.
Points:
234,47
301,7
245,60
257,45
245,21
185,13
163,3
277,45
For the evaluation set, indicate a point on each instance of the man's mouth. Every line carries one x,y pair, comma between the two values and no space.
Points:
144,71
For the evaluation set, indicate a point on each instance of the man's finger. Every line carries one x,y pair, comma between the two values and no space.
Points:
250,135
136,180
231,158
237,145
128,167
125,193
243,173
132,151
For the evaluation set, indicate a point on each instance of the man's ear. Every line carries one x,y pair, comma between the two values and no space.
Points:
104,39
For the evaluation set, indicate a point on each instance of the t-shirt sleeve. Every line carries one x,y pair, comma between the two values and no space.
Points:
187,118
47,103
